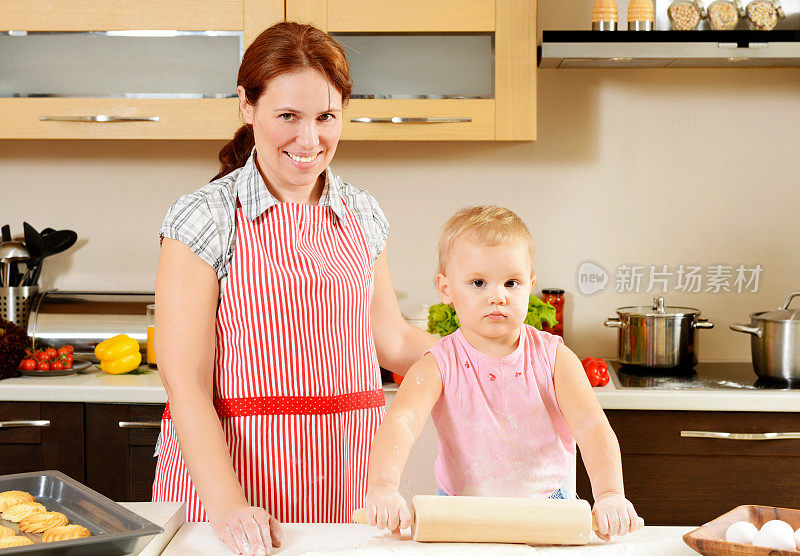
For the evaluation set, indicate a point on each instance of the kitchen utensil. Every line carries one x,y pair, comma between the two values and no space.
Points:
710,537
84,319
641,15
53,243
12,252
503,520
657,336
16,304
775,341
14,280
115,529
36,248
604,15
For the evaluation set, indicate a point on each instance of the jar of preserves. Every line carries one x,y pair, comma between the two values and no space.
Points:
555,297
685,15
723,15
763,15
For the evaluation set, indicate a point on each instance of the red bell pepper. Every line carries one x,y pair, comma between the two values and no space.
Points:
596,371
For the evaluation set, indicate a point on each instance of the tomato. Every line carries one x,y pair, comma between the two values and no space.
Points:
68,359
51,353
67,364
29,364
43,366
56,366
63,351
70,348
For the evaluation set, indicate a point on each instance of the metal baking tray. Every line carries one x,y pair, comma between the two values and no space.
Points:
115,530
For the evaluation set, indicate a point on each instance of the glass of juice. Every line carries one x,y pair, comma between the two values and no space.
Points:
151,334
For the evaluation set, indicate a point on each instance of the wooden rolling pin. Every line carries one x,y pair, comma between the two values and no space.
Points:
499,520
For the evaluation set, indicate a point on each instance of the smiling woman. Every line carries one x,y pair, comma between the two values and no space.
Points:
275,309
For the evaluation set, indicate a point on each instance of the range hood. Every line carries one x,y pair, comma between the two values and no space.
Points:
670,49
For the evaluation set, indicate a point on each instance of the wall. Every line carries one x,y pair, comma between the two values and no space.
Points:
646,167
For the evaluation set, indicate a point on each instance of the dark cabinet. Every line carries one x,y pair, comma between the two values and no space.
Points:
120,441
35,436
677,480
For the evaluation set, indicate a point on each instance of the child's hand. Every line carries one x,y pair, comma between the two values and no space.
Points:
386,509
615,516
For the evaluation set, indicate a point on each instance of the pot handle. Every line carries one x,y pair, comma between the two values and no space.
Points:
614,323
789,299
755,331
702,323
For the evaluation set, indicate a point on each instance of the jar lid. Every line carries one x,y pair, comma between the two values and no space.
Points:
658,309
553,291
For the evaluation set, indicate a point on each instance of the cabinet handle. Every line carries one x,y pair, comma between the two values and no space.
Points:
742,435
100,118
140,424
16,424
401,120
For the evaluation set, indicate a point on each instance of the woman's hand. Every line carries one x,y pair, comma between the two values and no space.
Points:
248,530
386,509
615,516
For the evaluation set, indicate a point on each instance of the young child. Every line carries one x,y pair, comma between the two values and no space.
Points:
508,401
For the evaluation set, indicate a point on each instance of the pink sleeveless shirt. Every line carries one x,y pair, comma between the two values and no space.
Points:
501,432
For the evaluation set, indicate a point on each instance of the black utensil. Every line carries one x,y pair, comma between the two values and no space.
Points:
47,231
54,242
35,245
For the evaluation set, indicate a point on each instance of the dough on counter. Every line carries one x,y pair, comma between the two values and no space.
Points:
12,497
39,522
11,542
18,512
65,532
6,532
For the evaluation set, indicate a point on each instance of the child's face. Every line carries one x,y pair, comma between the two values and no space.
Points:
489,286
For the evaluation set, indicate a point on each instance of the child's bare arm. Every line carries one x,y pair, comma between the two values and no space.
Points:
401,427
598,444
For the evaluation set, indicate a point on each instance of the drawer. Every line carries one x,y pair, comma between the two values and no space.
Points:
659,432
146,421
176,118
20,411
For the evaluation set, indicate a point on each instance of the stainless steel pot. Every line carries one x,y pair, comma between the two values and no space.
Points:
657,336
775,341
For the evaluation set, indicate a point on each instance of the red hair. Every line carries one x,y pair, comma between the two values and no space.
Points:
283,48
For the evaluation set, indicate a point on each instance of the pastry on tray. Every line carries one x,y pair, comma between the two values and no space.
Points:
18,512
11,497
6,532
11,542
39,522
65,532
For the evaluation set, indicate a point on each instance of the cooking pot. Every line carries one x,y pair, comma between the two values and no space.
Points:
775,341
657,336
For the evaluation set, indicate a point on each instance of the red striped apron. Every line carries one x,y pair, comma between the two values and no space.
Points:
296,379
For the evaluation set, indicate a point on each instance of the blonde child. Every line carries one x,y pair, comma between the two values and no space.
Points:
508,401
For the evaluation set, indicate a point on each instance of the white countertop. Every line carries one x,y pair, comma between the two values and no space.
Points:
168,515
99,387
197,539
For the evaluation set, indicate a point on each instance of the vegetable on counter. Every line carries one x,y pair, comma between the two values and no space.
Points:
48,359
118,355
13,343
596,371
442,319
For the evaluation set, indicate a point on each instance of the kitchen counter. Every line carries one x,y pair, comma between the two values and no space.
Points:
197,539
98,387
168,515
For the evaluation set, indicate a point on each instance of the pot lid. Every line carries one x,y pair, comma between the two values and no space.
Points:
783,313
658,309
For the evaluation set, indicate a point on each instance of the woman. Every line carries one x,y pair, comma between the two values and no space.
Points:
275,306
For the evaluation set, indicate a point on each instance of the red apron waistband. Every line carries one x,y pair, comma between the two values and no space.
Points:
294,405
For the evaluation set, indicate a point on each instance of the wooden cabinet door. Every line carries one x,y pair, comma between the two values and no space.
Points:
677,480
510,115
120,441
40,436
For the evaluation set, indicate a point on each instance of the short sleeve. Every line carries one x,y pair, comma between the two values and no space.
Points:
369,215
378,243
190,221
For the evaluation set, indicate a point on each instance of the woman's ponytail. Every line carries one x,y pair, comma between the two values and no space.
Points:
236,152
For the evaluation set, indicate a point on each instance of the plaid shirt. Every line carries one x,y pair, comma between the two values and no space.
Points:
206,219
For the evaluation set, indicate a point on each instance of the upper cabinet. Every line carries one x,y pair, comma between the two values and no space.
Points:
116,69
112,69
436,70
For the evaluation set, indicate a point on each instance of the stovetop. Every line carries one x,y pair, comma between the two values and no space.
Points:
703,376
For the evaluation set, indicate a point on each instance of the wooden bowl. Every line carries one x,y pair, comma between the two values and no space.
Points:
710,538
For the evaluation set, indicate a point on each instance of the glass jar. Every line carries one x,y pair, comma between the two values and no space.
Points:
685,15
723,15
151,336
555,297
763,15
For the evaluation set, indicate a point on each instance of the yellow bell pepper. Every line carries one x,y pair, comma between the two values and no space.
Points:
119,354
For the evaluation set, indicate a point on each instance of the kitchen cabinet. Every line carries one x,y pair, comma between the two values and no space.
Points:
675,480
510,113
141,118
38,436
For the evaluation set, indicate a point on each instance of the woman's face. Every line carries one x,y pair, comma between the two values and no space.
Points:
297,124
